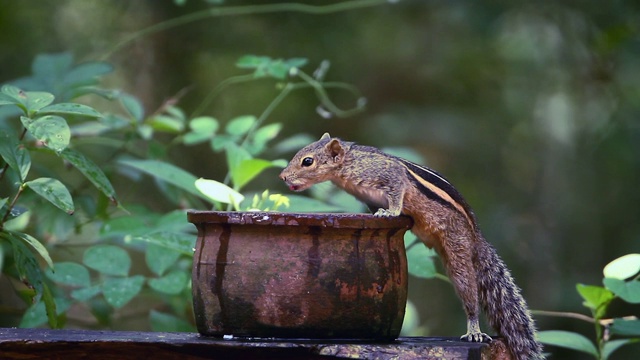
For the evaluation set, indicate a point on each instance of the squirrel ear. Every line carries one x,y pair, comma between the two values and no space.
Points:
335,150
325,136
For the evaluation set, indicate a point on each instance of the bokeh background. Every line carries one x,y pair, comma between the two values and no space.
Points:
532,109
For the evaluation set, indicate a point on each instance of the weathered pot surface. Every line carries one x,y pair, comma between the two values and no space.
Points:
287,275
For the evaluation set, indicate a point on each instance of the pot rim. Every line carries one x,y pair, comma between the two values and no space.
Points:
327,220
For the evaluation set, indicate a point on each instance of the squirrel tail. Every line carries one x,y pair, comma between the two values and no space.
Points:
504,306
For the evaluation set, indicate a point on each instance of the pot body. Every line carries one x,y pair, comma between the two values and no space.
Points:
318,276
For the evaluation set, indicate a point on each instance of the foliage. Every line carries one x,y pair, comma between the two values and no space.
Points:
621,280
105,279
44,129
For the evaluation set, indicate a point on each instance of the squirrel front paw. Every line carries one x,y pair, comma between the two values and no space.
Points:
476,337
384,213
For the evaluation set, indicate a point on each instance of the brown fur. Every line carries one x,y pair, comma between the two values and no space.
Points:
442,220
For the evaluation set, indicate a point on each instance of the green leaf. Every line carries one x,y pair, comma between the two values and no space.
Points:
240,125
218,192
623,267
613,345
267,133
204,124
89,129
247,171
293,143
51,65
569,340
165,172
172,283
15,155
296,62
222,141
168,323
87,293
278,69
145,131
133,106
192,138
91,171
176,113
235,156
124,226
118,292
160,258
86,73
36,100
35,245
174,221
50,306
595,298
166,124
26,264
36,314
70,109
252,61
202,129
6,100
70,274
11,95
419,258
264,65
53,191
180,242
626,327
628,291
281,163
262,136
107,259
51,130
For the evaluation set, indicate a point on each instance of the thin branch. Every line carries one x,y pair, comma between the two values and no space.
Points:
244,10
223,84
565,315
10,208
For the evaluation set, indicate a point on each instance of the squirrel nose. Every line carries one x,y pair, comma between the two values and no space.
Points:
282,176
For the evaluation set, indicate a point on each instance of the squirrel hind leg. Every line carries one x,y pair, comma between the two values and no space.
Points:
473,332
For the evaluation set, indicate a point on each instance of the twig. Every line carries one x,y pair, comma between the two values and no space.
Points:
564,314
245,10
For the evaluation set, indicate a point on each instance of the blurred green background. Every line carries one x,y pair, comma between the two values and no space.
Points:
530,108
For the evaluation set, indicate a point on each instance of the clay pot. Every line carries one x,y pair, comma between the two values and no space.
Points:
285,275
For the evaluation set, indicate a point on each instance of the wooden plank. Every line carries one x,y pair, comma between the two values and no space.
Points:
86,344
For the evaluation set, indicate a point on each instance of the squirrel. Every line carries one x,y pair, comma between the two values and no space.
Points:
442,220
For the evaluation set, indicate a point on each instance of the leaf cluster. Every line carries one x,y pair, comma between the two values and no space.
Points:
621,281
134,143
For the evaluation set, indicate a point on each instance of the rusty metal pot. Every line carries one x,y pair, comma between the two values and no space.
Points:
286,275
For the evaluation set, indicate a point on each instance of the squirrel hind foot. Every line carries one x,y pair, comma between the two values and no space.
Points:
384,213
476,337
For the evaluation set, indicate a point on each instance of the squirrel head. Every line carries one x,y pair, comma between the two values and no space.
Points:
315,163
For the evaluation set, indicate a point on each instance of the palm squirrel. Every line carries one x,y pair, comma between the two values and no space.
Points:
442,220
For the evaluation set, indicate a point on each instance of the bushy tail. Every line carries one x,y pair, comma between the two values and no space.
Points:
504,306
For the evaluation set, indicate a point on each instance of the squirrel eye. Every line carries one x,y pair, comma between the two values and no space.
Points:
307,161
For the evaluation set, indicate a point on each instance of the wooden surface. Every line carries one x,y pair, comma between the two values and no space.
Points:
83,344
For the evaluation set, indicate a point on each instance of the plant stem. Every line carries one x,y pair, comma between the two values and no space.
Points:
244,10
4,170
564,314
265,114
224,83
13,203
319,88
